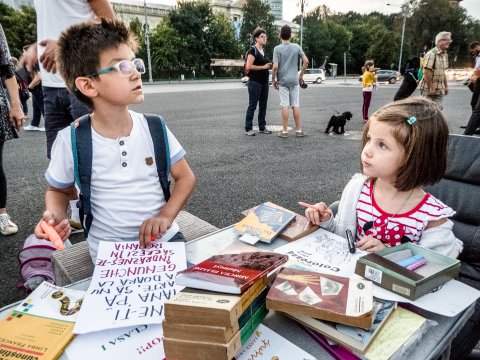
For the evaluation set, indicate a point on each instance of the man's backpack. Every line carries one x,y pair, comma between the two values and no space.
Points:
35,263
245,59
81,134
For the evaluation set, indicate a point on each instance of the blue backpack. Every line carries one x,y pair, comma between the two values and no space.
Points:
81,135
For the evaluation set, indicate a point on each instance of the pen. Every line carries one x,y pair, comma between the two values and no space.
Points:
351,243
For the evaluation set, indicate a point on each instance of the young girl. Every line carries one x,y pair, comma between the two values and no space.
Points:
404,147
368,82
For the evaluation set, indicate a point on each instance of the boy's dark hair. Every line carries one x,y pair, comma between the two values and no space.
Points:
80,47
257,32
285,32
424,141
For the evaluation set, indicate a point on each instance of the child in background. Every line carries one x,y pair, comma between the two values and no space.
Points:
97,62
368,84
404,147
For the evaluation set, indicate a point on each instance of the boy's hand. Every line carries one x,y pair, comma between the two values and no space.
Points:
370,244
62,226
317,213
154,227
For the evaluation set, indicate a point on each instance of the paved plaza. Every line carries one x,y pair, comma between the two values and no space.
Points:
234,171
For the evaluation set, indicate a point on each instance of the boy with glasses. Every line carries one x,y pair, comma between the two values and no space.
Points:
127,201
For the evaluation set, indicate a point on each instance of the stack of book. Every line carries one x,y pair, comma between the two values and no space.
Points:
221,307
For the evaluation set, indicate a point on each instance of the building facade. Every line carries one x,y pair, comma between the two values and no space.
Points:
129,10
276,7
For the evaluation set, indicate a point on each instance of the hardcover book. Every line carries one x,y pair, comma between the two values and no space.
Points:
196,307
328,297
230,273
265,222
41,326
354,338
299,227
176,348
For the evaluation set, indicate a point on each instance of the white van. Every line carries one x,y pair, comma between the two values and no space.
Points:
314,76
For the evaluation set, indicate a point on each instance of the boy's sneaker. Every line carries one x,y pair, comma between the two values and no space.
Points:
300,134
33,128
265,131
283,134
7,227
250,133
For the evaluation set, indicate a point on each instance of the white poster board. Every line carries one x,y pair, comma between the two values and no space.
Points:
130,285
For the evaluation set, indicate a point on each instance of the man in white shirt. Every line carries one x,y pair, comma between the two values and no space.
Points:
53,17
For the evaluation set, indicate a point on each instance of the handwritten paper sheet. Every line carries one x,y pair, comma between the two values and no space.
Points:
137,342
322,251
266,344
400,327
130,285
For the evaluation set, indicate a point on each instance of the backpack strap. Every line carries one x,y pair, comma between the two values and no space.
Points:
158,132
81,134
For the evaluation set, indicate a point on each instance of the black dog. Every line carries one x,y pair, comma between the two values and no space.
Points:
338,122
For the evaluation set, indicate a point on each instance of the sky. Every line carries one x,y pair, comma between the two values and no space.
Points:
290,8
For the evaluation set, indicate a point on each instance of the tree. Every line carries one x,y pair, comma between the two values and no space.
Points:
430,17
19,27
384,47
168,49
192,21
257,13
221,38
138,29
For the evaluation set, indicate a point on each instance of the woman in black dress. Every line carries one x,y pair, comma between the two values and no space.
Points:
10,121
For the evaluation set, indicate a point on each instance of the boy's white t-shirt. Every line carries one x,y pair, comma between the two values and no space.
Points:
125,189
54,17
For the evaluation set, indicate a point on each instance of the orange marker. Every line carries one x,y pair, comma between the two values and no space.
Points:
52,235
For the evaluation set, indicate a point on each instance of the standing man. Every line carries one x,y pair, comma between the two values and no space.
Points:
474,122
434,82
53,17
286,79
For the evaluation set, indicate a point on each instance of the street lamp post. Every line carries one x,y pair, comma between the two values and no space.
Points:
147,40
405,10
302,4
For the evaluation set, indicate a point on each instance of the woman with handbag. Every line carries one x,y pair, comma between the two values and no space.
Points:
10,121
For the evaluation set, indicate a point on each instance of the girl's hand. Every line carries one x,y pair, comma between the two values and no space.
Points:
370,244
62,226
317,213
153,228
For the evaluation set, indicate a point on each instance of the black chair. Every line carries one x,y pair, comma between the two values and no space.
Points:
460,189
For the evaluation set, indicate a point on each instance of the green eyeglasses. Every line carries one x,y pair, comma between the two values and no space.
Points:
124,67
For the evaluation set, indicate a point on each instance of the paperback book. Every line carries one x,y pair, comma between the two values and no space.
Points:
299,227
354,338
264,222
177,348
328,297
213,309
42,325
230,273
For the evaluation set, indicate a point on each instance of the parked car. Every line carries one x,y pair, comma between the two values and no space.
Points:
314,76
245,78
391,76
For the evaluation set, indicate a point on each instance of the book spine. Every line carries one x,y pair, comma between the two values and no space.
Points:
247,330
202,333
364,322
249,296
184,314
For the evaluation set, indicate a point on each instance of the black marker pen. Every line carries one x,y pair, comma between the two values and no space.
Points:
351,243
